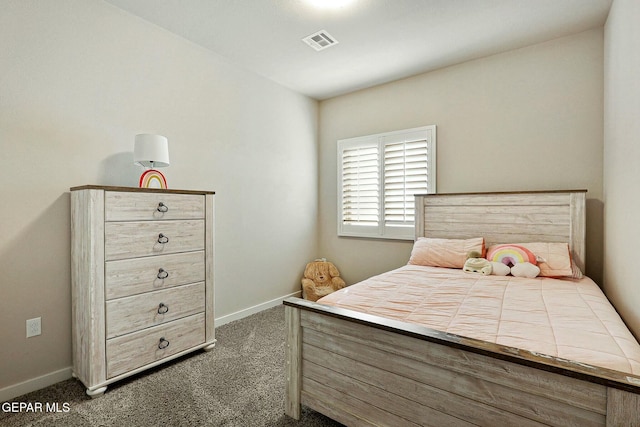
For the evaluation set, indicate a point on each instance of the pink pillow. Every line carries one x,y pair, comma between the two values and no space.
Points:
554,259
450,253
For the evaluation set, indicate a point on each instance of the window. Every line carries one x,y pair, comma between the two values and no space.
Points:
378,176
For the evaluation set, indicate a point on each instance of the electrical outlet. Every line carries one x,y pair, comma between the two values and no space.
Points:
34,327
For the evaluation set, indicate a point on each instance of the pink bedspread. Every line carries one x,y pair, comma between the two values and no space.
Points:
563,318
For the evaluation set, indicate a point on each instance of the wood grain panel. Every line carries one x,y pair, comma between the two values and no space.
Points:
623,408
134,350
138,275
87,290
578,229
361,411
136,312
420,378
140,190
571,391
498,215
125,206
407,408
293,352
209,244
343,408
526,199
140,238
553,232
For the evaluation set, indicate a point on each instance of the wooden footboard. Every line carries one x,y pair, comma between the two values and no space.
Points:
365,370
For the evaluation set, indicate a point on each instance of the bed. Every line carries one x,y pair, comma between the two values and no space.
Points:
351,361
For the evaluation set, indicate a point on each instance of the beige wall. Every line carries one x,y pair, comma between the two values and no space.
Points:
621,160
78,79
529,119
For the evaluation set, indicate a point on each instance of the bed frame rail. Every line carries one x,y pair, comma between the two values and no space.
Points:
365,370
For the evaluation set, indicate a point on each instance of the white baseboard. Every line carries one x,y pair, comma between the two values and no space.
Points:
46,380
253,310
34,384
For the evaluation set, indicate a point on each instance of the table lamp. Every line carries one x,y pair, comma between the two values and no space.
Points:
151,151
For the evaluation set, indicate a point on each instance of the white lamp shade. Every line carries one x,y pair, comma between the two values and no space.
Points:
151,150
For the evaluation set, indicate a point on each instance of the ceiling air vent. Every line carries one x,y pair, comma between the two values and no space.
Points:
320,40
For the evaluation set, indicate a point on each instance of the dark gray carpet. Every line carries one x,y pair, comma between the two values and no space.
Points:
239,383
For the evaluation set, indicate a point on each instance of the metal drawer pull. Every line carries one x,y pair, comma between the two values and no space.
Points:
163,344
162,239
162,274
162,308
162,207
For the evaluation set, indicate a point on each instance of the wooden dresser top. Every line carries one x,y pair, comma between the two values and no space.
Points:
138,190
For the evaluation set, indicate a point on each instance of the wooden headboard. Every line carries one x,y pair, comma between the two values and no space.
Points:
506,217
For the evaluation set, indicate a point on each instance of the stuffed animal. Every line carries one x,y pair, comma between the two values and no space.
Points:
513,259
476,264
320,278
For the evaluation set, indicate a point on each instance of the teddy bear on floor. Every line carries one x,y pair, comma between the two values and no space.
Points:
321,278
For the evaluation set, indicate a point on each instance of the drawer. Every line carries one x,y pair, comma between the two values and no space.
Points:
127,206
138,275
142,238
141,348
133,313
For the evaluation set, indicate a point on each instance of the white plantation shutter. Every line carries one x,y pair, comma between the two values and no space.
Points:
360,186
378,176
406,173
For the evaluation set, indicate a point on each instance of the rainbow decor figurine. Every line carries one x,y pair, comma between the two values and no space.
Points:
151,151
152,179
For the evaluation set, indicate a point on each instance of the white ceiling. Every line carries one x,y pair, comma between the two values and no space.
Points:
378,40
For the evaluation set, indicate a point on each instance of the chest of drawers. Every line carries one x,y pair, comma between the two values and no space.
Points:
142,279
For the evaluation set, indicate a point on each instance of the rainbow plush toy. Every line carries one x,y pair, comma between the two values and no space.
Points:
520,261
510,255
